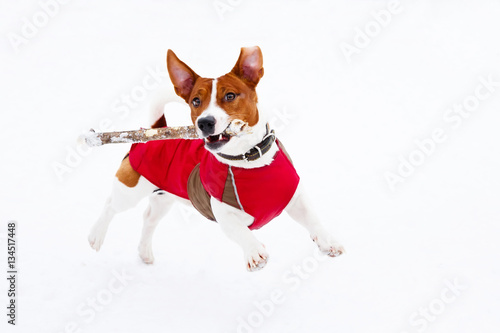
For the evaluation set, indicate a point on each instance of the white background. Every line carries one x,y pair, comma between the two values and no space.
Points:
346,123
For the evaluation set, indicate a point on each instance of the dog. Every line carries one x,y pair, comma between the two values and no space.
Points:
237,174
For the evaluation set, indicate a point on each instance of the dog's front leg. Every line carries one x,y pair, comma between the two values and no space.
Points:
234,224
301,211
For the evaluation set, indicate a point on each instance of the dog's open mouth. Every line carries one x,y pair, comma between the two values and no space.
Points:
218,138
214,142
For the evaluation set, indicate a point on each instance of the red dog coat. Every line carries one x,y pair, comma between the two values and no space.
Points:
261,192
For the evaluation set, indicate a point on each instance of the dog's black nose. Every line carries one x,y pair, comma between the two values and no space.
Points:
207,125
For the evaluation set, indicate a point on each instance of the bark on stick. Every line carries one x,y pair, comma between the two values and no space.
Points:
94,139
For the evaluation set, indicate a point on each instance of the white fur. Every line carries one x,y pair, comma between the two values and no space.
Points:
121,199
234,223
221,117
160,203
161,97
300,209
247,140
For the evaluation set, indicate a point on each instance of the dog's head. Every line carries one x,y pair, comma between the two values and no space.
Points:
223,110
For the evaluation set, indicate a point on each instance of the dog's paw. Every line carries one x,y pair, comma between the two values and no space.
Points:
146,254
96,238
256,258
328,245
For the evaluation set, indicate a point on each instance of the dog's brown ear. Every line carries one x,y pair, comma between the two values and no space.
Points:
249,65
181,76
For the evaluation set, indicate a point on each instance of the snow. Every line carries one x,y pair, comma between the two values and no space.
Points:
91,138
421,257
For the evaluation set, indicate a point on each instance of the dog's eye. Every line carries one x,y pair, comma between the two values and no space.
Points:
229,97
196,102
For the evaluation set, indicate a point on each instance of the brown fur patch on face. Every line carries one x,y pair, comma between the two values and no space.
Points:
244,106
127,175
202,89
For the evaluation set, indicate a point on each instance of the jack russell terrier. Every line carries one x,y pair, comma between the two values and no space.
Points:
237,174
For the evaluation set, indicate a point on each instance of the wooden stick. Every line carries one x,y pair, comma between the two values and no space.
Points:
94,139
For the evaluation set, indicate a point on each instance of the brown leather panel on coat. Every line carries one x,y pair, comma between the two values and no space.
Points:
198,195
280,144
229,195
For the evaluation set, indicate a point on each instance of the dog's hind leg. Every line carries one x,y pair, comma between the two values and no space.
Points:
301,211
160,203
128,189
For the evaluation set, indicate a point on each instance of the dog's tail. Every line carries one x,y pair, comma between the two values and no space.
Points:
164,95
